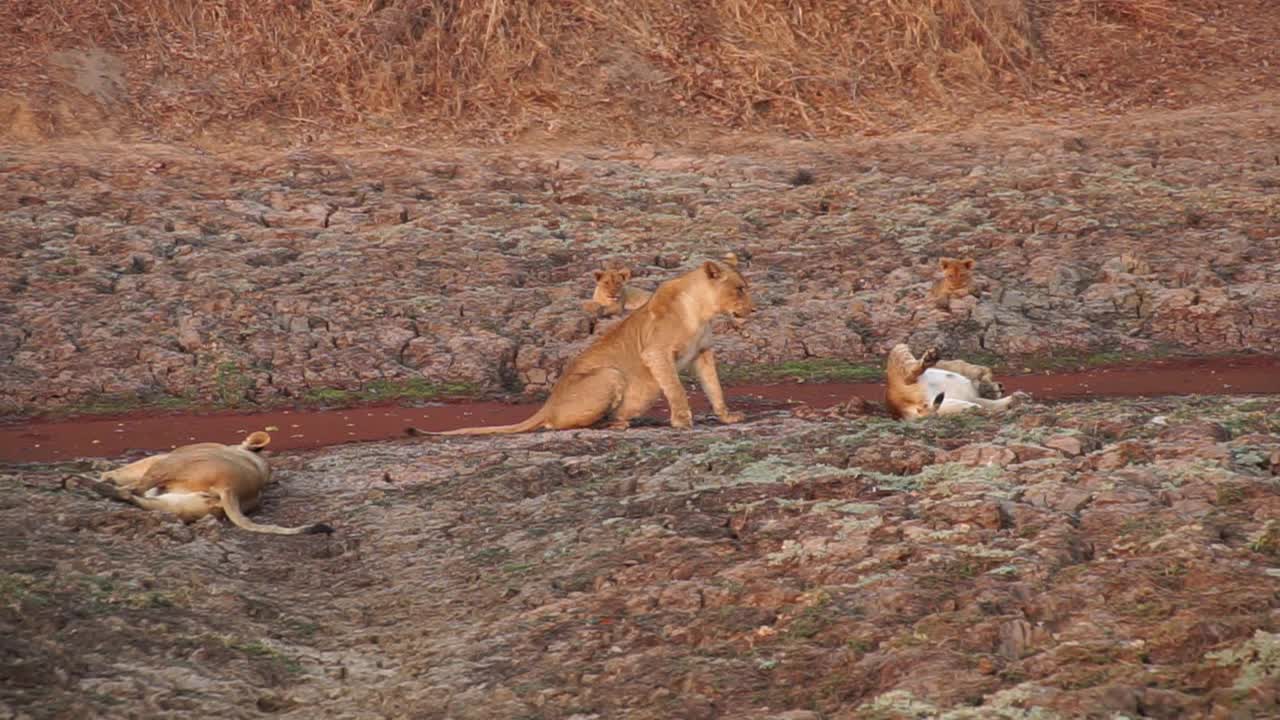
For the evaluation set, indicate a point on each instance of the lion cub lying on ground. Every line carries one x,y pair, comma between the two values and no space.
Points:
915,388
957,281
201,479
621,374
612,294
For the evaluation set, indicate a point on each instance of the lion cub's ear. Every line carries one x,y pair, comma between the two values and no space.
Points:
946,262
598,273
625,274
712,269
256,441
967,263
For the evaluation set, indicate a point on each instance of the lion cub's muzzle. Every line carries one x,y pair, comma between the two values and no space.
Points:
738,316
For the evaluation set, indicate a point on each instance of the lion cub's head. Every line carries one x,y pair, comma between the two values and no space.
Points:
609,285
731,292
957,273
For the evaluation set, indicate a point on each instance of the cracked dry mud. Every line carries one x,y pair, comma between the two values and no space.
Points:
235,275
1086,559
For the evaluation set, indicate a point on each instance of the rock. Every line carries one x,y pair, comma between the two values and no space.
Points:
1068,445
1015,639
1118,698
668,261
980,454
1119,455
1058,497
272,258
295,267
903,459
420,352
1027,453
977,513
483,358
1195,432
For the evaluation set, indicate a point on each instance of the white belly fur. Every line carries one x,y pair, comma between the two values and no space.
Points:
956,386
182,504
697,345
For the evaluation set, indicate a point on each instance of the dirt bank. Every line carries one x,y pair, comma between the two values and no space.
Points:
53,440
621,69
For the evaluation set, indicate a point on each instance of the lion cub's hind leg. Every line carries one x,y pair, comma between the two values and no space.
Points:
950,406
188,506
1003,403
637,397
131,477
584,399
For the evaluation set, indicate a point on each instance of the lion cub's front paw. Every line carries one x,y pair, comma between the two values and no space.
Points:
729,418
930,356
682,420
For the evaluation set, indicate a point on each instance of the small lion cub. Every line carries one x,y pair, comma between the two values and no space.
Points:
957,281
612,294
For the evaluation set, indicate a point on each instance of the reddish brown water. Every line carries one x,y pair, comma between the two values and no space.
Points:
51,440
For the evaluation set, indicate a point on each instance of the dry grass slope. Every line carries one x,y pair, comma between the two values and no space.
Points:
504,67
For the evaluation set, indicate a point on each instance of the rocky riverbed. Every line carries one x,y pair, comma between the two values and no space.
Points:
138,273
1086,559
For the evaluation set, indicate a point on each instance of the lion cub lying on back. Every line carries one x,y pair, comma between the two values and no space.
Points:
983,379
201,479
916,389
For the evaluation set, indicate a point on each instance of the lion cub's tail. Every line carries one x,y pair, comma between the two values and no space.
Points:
536,422
231,508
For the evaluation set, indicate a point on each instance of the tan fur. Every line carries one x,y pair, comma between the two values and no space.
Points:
201,479
623,372
981,376
903,394
957,281
917,388
612,294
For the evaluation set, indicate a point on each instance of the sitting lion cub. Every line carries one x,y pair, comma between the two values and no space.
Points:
621,374
612,294
201,479
916,389
957,281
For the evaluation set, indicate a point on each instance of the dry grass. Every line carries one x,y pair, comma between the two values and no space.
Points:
508,65
1141,13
